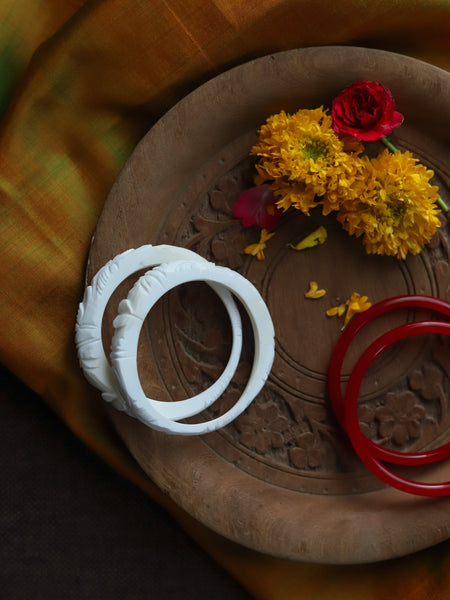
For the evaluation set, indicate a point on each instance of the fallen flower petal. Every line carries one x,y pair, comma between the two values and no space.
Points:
257,206
337,310
356,304
313,239
314,291
258,248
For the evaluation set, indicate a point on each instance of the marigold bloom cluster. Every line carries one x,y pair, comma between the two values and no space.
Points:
388,201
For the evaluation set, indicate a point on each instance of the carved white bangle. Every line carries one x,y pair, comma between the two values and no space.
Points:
132,312
88,335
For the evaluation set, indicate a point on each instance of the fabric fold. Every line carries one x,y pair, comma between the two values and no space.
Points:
81,83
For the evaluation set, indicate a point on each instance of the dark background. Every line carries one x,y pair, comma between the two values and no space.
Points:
72,528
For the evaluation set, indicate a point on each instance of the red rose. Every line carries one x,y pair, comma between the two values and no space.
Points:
365,110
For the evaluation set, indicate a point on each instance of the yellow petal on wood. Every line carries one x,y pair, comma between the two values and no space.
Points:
336,310
313,239
314,291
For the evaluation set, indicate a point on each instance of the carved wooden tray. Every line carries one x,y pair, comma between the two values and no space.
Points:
282,479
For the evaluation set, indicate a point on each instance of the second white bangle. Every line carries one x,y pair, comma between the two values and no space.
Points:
132,312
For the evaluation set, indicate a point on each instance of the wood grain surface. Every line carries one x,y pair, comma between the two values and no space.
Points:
282,478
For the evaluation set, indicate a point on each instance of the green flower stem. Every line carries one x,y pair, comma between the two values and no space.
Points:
389,145
442,204
392,148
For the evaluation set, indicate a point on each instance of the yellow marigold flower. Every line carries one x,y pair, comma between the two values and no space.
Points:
295,194
396,212
304,158
258,248
314,291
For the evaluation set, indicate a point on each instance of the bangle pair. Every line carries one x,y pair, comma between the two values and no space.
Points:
345,407
119,381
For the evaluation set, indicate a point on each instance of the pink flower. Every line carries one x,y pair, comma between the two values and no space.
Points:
365,110
257,206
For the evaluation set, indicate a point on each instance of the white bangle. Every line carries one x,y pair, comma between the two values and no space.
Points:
132,312
88,335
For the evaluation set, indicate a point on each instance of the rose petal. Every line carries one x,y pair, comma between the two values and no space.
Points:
257,206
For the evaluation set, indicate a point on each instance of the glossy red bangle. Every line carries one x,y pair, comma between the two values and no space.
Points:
362,445
334,374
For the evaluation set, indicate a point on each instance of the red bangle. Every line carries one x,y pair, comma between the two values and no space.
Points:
337,359
368,452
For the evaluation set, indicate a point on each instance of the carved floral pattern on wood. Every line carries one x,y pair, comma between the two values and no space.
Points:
288,435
